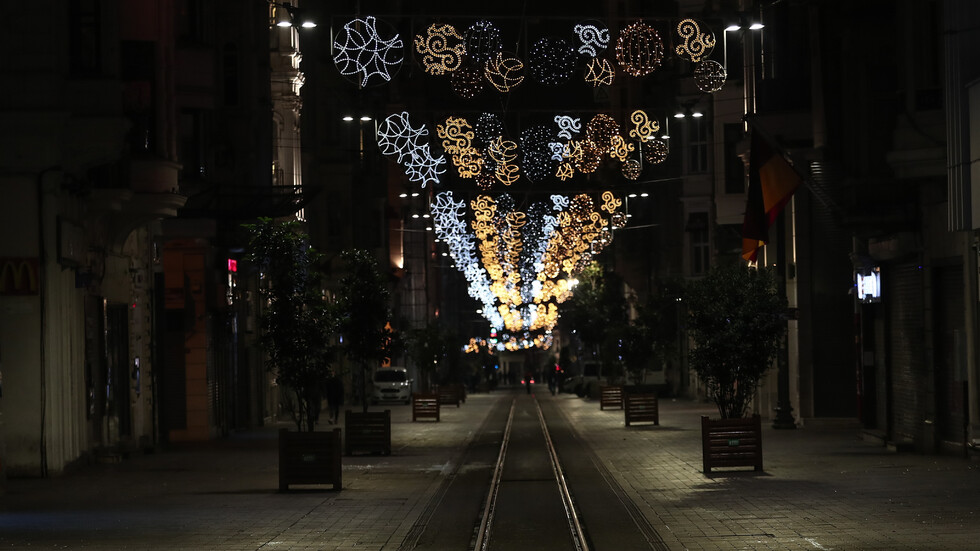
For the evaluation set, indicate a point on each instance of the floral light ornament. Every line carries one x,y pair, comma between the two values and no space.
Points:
505,72
441,48
696,44
504,153
362,51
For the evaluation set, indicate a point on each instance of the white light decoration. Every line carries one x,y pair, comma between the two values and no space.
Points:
397,137
639,49
567,126
362,51
599,72
710,76
594,38
505,72
557,150
467,81
482,41
536,159
441,49
487,128
696,44
552,61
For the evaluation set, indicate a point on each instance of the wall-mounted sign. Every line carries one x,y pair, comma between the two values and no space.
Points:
869,286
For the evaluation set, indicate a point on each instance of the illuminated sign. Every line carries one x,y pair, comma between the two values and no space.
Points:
232,265
869,286
19,276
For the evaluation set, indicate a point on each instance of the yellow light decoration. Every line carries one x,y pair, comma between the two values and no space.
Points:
601,129
643,127
696,44
655,151
442,49
457,140
619,148
632,169
565,171
504,152
599,72
639,49
609,202
504,72
591,156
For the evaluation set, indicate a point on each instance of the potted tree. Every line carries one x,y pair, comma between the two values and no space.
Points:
296,326
364,322
736,321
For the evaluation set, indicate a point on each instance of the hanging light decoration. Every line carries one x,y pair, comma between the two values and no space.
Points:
695,44
655,151
482,41
441,49
643,127
632,169
599,72
362,51
457,140
397,137
710,76
593,37
601,130
504,153
639,49
552,61
467,81
567,126
505,72
487,128
536,156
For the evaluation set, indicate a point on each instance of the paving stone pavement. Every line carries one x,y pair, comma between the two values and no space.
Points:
822,488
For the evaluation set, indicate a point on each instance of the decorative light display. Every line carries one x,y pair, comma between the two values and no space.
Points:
696,44
397,137
487,129
643,127
362,51
505,72
504,153
599,72
457,140
441,48
518,264
601,130
567,126
482,41
639,49
632,169
594,38
619,148
591,155
710,76
467,81
536,157
552,61
655,151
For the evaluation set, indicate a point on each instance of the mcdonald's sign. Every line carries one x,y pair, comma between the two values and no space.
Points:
19,276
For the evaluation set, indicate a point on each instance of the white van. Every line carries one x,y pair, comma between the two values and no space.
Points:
391,384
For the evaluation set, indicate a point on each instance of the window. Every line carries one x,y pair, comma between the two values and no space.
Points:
697,229
697,143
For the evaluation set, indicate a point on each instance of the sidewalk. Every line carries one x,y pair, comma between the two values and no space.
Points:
821,489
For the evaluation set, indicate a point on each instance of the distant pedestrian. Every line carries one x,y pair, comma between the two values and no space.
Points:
335,396
527,381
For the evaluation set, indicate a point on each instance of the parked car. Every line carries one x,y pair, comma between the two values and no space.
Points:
391,384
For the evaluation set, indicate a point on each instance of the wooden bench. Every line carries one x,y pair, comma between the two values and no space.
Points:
611,397
731,443
425,406
449,394
368,432
310,458
641,407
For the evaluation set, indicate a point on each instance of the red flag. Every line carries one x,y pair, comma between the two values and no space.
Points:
772,182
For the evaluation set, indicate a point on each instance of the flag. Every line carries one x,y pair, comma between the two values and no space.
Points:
772,182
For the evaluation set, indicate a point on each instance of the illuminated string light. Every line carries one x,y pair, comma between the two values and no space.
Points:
696,44
619,148
441,49
599,72
536,159
505,72
594,38
552,61
710,76
362,51
610,203
482,41
643,127
655,151
567,126
504,153
467,81
487,128
632,169
601,130
397,137
457,140
639,49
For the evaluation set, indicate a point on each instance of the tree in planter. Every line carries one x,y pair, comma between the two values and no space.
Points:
736,323
596,306
427,346
364,315
296,322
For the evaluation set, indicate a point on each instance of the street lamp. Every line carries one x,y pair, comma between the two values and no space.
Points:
291,16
